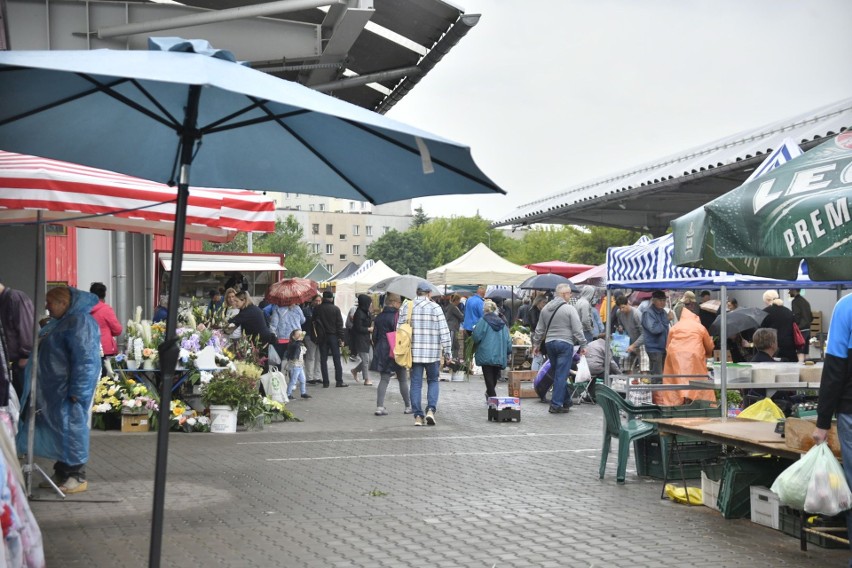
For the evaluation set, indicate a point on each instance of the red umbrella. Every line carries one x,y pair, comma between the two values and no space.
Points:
291,291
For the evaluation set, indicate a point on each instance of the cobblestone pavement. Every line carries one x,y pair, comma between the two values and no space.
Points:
347,488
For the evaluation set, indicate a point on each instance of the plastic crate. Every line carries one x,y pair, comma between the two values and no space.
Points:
652,454
737,478
790,521
764,507
698,409
711,481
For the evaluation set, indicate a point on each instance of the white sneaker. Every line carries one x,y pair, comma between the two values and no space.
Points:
430,417
408,410
418,421
381,411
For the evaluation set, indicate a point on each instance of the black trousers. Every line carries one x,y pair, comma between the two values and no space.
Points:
326,346
492,375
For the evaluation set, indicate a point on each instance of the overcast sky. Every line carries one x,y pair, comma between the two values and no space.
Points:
553,93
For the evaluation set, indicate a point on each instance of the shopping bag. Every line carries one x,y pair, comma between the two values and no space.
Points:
765,411
583,373
792,485
692,495
798,338
274,359
275,384
391,337
619,344
828,493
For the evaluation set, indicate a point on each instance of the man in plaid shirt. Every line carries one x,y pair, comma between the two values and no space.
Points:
430,339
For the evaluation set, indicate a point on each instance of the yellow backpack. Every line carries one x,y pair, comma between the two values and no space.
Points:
404,337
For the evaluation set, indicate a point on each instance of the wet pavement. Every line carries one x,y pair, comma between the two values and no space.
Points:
346,488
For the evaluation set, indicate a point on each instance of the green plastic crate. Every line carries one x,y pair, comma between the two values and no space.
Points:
738,475
651,455
791,524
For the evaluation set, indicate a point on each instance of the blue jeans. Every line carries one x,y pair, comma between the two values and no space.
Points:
297,376
844,434
432,386
561,354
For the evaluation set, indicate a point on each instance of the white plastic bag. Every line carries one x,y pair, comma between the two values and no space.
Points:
583,373
275,384
792,485
828,492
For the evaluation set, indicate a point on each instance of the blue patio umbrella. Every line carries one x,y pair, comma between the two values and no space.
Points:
547,281
186,110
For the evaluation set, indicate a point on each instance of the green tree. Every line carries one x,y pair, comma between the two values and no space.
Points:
570,243
448,238
588,246
288,239
403,252
420,218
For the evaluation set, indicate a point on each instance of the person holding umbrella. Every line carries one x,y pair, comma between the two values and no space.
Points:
383,361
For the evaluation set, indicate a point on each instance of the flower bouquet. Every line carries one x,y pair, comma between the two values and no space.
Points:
182,418
121,395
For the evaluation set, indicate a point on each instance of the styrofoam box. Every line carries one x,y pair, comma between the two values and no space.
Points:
709,491
764,507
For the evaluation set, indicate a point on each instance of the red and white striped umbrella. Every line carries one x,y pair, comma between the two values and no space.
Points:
70,194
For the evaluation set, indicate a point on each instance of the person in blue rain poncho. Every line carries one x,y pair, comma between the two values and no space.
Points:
69,366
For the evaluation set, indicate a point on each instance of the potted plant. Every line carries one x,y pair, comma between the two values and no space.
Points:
232,396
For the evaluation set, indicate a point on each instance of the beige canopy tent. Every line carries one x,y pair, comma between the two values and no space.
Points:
479,265
347,289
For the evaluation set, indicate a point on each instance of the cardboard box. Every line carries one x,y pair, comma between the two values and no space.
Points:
134,423
528,392
501,402
764,507
523,375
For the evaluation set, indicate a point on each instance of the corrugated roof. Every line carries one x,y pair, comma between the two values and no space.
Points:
680,182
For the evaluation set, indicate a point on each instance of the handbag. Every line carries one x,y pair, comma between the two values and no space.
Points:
798,338
391,336
542,348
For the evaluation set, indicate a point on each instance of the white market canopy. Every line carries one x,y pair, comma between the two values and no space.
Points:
479,265
347,289
195,262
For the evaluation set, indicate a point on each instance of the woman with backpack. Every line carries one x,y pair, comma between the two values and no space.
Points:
383,361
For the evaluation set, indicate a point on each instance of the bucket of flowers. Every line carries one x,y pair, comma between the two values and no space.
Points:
232,396
119,395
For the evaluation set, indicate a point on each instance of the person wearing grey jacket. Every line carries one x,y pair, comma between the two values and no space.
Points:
559,330
584,310
631,321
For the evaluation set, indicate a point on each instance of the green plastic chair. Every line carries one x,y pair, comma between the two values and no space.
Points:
634,429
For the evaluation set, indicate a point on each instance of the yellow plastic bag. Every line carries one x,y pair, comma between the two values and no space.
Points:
765,411
678,495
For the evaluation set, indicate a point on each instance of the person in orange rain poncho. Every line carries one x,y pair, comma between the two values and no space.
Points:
688,347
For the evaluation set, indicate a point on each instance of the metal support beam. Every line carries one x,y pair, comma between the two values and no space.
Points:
438,51
360,80
213,16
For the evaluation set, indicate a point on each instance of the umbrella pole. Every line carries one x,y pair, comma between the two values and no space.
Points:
38,300
169,348
608,332
723,346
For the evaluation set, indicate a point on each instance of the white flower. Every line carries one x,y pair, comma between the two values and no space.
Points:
203,420
103,407
137,348
146,332
138,316
191,421
206,376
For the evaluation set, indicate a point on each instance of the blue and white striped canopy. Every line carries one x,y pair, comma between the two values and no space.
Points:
648,265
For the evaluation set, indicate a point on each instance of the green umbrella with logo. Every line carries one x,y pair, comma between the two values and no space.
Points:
767,226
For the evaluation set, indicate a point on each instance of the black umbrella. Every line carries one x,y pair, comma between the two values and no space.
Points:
546,282
739,320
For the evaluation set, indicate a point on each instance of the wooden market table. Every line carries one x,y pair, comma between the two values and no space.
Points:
749,435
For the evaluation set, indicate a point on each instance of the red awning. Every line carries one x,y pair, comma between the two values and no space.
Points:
565,269
65,192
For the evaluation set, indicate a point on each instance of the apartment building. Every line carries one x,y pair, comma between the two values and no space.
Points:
339,230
